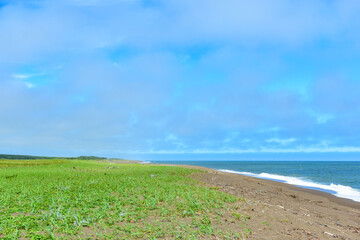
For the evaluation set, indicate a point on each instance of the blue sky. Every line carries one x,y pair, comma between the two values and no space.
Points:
209,79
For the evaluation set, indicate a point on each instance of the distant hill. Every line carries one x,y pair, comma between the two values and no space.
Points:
10,156
28,157
89,158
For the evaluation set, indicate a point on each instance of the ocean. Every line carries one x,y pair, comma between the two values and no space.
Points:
340,178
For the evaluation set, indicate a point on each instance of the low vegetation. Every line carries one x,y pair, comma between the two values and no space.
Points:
67,199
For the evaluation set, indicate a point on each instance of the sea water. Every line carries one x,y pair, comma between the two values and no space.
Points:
340,178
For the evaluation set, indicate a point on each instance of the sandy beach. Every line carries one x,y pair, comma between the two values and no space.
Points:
282,211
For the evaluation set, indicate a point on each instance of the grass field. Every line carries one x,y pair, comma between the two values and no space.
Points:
74,199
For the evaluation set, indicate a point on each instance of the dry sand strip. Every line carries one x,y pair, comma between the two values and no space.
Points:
282,211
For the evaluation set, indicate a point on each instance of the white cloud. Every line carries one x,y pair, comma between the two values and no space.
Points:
271,129
280,141
320,118
175,141
171,138
347,149
21,76
29,85
324,118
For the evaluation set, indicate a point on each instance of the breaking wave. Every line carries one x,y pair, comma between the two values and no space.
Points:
335,189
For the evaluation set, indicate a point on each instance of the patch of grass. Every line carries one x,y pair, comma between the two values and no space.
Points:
239,216
53,199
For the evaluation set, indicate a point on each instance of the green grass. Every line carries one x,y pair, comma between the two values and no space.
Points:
63,199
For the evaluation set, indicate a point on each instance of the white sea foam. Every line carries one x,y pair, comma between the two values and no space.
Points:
335,189
145,162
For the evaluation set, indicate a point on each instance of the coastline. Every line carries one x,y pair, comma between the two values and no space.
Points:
283,211
342,201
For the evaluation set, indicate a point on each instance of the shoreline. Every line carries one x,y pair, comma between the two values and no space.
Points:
283,211
339,200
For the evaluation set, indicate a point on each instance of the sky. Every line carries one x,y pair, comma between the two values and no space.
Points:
189,79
